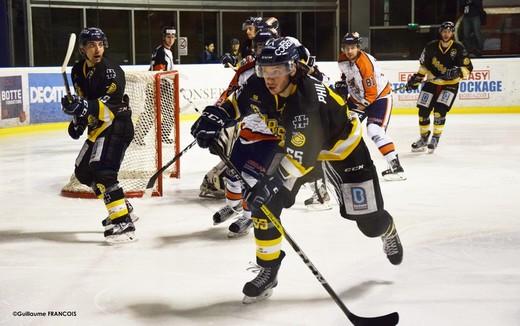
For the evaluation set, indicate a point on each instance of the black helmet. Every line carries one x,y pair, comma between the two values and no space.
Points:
169,30
261,37
280,51
351,38
92,34
251,21
447,25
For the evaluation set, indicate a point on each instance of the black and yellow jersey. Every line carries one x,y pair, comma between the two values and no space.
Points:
312,122
435,60
103,86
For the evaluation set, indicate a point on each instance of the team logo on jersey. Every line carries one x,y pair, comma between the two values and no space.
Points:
111,88
298,139
300,121
110,73
453,53
466,61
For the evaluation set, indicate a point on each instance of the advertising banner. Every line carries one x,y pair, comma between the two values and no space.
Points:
45,93
11,100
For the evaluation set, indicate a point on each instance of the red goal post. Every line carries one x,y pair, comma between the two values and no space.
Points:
154,100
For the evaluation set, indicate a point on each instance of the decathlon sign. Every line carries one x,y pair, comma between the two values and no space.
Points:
45,93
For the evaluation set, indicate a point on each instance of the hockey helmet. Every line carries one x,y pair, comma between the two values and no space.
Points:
262,36
251,21
351,38
280,51
169,30
92,34
447,25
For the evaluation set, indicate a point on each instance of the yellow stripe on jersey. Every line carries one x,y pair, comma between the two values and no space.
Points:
343,147
293,167
335,96
232,98
105,115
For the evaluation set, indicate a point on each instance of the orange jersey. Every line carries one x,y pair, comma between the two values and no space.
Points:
366,83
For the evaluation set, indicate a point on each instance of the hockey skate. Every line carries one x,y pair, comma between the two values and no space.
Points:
320,199
395,172
261,287
122,230
421,143
433,144
208,190
226,213
107,223
240,227
392,245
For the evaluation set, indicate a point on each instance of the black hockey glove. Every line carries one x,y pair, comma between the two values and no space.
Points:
74,105
264,191
76,127
452,73
228,60
414,81
341,88
207,127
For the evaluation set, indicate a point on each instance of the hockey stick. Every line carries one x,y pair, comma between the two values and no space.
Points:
387,320
424,81
153,178
70,48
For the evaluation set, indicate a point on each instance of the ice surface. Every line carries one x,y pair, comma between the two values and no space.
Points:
457,215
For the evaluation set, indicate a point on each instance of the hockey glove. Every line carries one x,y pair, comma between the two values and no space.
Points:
264,191
341,88
207,127
228,60
452,73
77,127
74,105
414,81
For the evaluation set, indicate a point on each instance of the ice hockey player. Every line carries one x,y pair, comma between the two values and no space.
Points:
101,106
443,62
253,134
369,94
314,124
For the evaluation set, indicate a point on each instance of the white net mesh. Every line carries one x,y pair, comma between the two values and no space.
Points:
146,154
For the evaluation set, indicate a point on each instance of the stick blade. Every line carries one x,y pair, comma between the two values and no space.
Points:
386,320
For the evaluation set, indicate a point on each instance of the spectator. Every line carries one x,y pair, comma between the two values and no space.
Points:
209,56
474,15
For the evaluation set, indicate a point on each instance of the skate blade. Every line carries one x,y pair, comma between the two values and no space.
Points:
319,207
217,222
264,295
419,150
394,177
121,238
236,235
431,150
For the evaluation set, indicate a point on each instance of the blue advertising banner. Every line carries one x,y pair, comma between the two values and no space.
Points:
45,93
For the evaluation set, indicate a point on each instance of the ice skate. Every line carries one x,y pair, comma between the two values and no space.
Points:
421,143
395,172
433,144
392,246
226,213
261,287
122,230
320,199
240,227
208,190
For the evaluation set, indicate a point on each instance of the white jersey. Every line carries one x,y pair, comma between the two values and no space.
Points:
366,83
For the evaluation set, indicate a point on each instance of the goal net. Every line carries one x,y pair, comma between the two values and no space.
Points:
154,100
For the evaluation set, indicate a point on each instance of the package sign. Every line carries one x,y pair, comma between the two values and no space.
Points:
11,98
45,93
